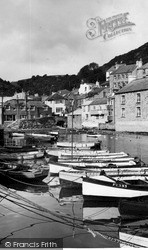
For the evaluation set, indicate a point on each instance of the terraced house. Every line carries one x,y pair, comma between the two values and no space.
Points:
120,76
131,107
18,109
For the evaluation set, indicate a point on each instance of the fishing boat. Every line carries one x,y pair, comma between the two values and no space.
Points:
19,172
105,186
73,177
22,156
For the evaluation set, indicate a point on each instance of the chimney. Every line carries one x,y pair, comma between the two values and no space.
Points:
97,84
139,63
116,65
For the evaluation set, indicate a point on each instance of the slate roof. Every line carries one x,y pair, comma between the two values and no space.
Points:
13,103
99,101
123,69
112,68
145,66
63,92
55,96
135,86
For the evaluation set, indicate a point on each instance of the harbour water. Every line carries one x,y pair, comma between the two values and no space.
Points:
48,210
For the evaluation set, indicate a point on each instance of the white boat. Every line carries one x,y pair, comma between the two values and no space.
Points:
96,154
62,152
94,135
134,233
130,240
22,156
94,165
76,144
56,167
105,186
74,177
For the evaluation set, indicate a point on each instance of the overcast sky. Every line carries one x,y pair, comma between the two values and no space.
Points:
49,36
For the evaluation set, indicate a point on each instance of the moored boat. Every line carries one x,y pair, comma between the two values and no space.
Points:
80,145
102,154
22,156
19,172
134,233
56,167
105,186
74,177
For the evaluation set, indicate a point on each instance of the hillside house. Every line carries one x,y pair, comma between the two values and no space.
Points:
85,88
94,112
57,103
131,107
16,109
119,78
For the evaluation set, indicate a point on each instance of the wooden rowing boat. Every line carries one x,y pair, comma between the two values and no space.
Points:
22,156
20,172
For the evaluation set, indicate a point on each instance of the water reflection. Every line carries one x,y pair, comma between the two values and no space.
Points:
40,187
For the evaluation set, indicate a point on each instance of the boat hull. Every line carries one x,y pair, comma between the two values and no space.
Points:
107,187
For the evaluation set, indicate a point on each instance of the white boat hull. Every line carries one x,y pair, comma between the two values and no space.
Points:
55,168
75,144
105,187
132,240
75,177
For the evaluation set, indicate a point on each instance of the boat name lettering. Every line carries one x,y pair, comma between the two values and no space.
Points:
120,185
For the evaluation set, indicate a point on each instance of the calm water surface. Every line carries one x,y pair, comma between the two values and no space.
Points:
51,211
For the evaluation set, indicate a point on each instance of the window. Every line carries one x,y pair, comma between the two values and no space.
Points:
23,117
58,110
138,112
32,108
86,116
45,108
8,107
104,94
123,112
58,101
138,97
115,85
123,99
23,107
